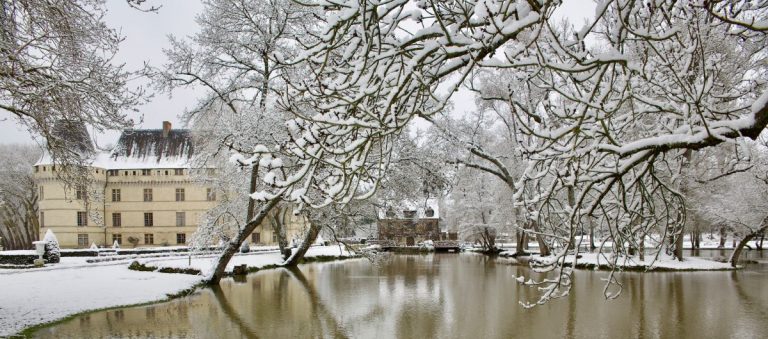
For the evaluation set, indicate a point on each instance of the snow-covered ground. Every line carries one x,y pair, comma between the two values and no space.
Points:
706,243
34,296
662,262
205,263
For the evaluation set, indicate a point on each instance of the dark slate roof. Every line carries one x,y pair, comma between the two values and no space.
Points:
74,137
151,144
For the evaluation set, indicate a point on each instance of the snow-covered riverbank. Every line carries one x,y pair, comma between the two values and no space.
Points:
37,296
603,261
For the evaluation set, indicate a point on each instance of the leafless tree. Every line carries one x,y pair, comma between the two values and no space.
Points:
19,217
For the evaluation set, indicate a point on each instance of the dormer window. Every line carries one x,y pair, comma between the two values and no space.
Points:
390,213
409,214
429,212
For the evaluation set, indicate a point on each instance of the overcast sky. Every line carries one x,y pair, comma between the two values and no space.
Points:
146,34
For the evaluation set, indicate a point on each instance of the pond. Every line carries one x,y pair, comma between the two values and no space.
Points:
445,296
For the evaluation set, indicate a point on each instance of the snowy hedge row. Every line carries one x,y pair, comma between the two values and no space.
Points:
17,259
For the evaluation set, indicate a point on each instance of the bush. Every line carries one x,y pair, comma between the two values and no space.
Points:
137,266
190,271
133,241
245,248
52,250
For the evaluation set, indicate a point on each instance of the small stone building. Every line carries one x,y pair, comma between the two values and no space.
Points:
409,223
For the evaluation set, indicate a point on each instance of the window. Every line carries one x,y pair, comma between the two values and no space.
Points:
149,219
42,193
181,238
125,173
115,194
82,219
118,238
145,172
274,237
37,169
256,237
149,238
179,194
147,194
134,172
181,219
82,240
210,194
166,172
80,193
42,219
117,220
178,171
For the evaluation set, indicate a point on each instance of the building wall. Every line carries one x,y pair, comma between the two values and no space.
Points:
399,230
59,207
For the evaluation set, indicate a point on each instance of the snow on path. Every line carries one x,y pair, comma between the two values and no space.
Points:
35,296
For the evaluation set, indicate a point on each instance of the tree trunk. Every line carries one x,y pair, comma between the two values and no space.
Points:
677,252
738,248
679,244
234,245
543,248
592,246
276,219
521,241
252,189
309,238
723,236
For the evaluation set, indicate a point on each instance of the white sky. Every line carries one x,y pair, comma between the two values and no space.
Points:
146,36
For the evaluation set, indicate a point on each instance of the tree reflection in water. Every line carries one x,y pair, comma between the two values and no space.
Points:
446,296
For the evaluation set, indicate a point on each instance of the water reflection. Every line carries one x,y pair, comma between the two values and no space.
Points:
445,296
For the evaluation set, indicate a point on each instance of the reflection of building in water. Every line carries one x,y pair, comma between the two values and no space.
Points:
408,223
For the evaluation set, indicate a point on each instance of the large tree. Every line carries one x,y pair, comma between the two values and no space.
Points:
604,130
56,68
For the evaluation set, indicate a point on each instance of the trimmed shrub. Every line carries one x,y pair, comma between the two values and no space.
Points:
52,251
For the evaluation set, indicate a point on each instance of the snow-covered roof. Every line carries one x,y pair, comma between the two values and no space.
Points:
401,210
144,148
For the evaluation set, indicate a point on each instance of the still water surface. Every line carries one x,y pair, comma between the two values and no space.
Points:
445,296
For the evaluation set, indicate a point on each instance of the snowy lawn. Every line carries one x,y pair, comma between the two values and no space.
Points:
663,263
35,296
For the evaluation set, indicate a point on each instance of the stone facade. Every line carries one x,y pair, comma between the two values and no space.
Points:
144,191
407,224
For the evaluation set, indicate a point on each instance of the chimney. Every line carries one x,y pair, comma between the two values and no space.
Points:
166,128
